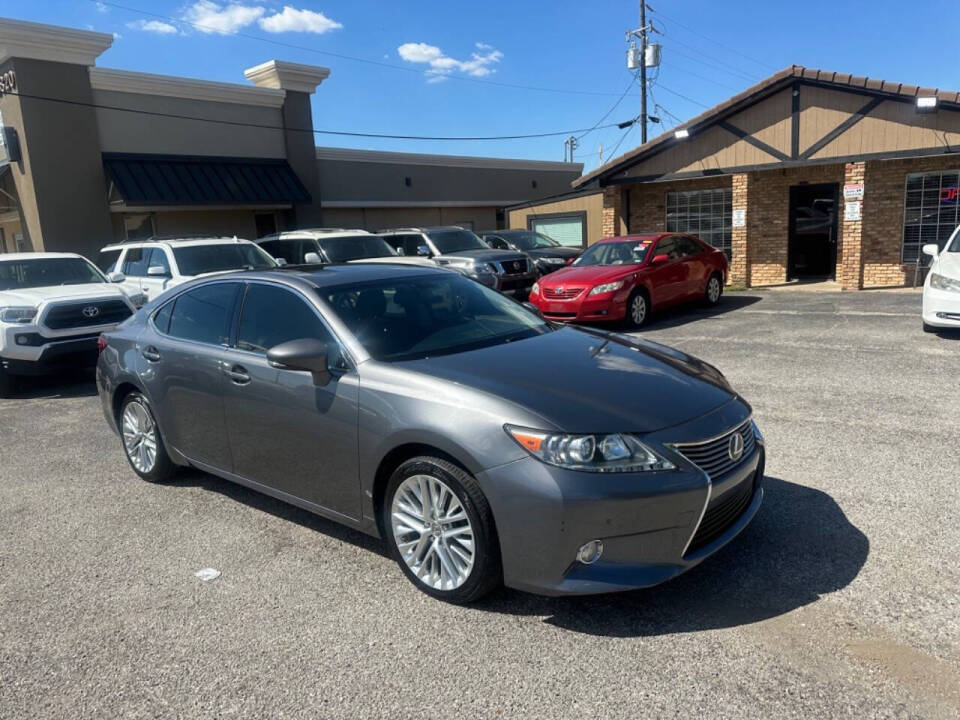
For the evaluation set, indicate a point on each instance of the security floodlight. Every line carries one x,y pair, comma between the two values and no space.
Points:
682,134
927,103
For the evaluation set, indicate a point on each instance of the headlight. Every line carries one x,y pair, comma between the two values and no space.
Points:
17,314
941,282
484,268
535,288
614,453
607,287
553,261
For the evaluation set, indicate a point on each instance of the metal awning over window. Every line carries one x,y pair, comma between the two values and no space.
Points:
148,180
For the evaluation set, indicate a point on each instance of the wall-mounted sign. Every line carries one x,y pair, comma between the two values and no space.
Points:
853,191
8,82
9,144
949,194
740,218
4,152
852,211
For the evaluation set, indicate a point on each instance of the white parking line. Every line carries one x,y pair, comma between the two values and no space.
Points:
858,313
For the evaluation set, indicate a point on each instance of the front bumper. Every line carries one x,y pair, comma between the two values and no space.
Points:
941,308
583,308
49,355
544,514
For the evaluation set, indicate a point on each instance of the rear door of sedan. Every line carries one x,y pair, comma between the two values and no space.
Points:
696,266
667,278
285,432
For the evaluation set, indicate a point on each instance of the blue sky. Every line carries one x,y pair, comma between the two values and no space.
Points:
711,50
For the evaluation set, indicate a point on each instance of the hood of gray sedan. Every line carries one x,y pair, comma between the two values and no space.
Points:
581,382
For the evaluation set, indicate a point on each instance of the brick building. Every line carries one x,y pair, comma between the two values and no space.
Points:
808,174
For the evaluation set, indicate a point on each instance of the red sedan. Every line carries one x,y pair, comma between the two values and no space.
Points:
625,278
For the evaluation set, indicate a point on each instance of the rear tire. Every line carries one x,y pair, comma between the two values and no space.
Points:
638,309
141,440
447,545
714,290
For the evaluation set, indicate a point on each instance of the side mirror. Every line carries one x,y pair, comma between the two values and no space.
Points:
932,249
312,258
116,277
307,354
157,271
423,251
660,259
533,308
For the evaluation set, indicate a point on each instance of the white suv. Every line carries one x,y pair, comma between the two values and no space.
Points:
151,266
53,307
333,245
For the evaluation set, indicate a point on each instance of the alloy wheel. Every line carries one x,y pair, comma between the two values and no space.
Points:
433,533
140,437
713,289
638,309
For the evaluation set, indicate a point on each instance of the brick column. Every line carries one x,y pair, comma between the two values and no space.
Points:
850,252
613,221
740,260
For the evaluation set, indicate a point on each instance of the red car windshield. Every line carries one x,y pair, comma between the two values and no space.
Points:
627,252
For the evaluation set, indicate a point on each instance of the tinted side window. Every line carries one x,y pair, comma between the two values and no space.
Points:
161,318
107,261
135,262
688,247
411,243
202,314
273,315
394,241
496,242
158,259
667,247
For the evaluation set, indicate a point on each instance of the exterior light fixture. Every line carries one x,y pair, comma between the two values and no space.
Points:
927,103
682,134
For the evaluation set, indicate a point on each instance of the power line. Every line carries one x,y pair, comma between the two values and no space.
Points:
715,42
340,56
238,123
630,84
684,97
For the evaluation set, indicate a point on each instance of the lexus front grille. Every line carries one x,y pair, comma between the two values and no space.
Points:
719,456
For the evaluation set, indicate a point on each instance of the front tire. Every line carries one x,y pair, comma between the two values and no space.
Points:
440,530
142,443
714,291
638,310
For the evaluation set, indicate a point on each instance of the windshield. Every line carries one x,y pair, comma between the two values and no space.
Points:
628,252
954,245
531,241
415,318
47,272
355,247
451,241
199,259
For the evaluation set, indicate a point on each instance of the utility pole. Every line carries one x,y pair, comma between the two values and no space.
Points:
647,55
643,71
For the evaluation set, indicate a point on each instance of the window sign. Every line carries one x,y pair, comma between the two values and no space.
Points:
931,211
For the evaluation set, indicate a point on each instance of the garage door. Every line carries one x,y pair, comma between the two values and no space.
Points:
565,230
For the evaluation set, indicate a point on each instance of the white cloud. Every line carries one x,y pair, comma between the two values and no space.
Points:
293,20
102,8
441,65
209,17
153,26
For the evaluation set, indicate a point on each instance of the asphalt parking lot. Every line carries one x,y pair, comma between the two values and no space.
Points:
842,599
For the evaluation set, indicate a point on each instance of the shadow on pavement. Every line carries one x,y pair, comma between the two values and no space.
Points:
71,385
277,508
682,314
799,547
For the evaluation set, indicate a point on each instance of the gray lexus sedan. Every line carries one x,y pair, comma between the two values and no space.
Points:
484,444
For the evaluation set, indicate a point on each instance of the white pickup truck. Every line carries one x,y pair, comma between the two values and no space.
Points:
53,307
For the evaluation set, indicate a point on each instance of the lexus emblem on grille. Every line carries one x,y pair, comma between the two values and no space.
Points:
90,311
735,449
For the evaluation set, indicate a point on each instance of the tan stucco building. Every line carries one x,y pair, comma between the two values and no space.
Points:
91,155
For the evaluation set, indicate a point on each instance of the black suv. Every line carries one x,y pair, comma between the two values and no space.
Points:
508,271
547,253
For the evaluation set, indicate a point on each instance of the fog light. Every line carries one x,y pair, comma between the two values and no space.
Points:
23,340
590,552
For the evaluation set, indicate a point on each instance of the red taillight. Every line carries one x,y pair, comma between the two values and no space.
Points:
101,345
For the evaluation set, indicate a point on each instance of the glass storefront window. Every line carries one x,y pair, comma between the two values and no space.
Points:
704,213
931,211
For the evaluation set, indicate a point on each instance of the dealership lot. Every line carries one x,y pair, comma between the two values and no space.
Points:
841,599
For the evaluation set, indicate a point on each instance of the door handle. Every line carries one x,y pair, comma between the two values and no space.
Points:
238,375
151,353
